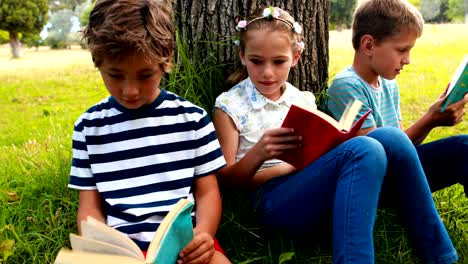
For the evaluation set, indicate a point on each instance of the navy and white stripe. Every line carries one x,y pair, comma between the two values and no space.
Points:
143,161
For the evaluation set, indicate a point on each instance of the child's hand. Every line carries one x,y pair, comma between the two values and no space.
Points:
275,141
452,115
199,251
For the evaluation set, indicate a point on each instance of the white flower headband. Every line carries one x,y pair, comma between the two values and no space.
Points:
273,13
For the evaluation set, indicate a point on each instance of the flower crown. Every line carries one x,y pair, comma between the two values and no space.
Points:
271,13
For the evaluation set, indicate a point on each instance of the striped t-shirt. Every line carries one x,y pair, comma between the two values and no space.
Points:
143,161
384,100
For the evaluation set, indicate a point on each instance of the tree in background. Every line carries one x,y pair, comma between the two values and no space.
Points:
25,16
341,13
83,12
56,5
466,11
60,29
456,10
434,11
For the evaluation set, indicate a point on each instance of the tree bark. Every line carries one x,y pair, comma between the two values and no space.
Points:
206,24
15,44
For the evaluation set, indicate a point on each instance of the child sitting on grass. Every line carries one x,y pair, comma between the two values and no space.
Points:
140,150
345,182
384,32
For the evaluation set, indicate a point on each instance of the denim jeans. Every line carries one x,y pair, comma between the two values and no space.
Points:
346,182
406,186
445,162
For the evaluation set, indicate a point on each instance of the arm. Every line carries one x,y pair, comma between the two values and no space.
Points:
89,205
208,215
208,199
244,172
433,118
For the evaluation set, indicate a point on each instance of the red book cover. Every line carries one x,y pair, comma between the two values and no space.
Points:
318,135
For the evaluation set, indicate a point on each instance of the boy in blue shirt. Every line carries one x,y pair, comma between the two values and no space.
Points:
139,151
384,32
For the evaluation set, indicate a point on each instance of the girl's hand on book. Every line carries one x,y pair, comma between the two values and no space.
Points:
275,141
199,251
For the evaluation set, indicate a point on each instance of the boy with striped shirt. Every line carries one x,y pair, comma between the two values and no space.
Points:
140,150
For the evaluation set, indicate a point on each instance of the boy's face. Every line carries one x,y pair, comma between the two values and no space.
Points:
132,81
388,57
268,57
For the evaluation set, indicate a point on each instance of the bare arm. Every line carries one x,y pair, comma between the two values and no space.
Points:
433,118
208,215
208,201
89,205
244,172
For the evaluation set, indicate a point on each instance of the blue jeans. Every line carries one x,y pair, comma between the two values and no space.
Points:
445,162
347,182
406,186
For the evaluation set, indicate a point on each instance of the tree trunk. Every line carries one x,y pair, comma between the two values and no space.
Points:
15,44
199,21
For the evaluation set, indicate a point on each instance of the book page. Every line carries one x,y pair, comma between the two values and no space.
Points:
96,230
79,243
349,114
79,257
327,118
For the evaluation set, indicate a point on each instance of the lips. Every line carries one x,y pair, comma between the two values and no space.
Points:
267,83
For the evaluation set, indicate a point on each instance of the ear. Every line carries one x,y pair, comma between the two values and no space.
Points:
295,59
242,57
367,44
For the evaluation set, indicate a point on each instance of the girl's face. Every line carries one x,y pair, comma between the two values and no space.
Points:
268,57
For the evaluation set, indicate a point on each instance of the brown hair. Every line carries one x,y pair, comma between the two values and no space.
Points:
118,28
384,18
284,23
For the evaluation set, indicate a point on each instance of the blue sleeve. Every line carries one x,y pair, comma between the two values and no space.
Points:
344,90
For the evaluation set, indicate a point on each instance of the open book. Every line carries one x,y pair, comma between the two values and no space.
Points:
320,132
102,244
458,86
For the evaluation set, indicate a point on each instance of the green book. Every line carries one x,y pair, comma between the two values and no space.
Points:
458,86
102,244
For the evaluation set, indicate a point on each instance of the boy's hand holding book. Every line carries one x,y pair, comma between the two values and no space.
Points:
199,250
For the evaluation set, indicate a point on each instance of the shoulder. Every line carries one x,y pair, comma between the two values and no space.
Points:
347,81
100,110
235,99
174,104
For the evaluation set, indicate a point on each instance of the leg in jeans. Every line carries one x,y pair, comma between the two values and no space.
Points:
346,181
407,185
445,162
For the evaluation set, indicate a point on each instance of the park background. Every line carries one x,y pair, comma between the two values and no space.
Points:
43,93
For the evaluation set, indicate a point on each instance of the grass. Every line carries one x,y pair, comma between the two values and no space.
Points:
42,94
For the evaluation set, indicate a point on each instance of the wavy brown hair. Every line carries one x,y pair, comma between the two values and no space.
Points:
118,28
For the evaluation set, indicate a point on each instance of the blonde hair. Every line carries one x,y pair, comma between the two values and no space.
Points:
118,28
384,18
284,23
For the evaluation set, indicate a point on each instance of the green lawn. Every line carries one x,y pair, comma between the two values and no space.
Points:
42,94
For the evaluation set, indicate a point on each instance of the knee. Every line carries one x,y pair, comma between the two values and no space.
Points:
369,148
392,139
